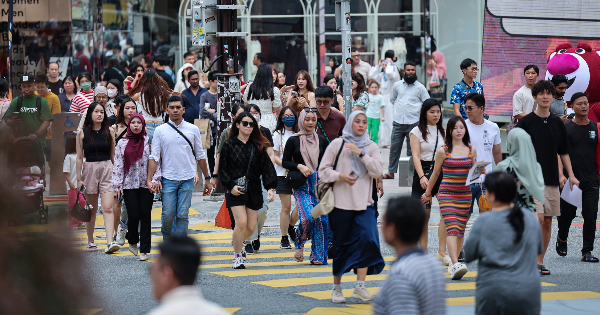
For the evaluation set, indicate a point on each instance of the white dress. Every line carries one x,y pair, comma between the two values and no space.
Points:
387,80
267,118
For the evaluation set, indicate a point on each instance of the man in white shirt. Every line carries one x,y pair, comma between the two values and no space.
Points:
173,275
387,74
361,67
177,146
407,96
523,102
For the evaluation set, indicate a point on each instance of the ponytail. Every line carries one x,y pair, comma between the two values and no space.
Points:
515,218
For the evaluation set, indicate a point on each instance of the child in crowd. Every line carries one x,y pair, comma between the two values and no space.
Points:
69,170
30,178
375,111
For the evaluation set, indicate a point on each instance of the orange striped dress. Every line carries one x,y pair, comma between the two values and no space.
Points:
454,196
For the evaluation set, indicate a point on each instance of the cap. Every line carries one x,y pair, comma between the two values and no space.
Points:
27,77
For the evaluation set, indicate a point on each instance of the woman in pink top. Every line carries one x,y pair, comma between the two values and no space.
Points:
83,99
353,221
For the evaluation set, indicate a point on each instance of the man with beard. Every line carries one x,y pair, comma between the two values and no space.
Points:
407,96
466,86
192,97
559,105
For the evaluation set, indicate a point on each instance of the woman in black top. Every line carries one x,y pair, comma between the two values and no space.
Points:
95,142
303,152
244,154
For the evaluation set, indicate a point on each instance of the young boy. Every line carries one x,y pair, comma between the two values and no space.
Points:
375,111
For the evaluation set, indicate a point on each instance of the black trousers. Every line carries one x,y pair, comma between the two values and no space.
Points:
589,212
139,207
210,156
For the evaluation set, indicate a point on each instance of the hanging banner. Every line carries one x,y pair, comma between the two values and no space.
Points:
36,10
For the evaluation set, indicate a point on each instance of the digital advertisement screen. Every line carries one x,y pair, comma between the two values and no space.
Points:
517,33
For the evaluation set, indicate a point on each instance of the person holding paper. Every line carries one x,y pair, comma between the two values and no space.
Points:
549,138
583,138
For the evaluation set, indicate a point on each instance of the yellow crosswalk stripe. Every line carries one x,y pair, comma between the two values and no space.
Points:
546,296
357,309
260,272
231,310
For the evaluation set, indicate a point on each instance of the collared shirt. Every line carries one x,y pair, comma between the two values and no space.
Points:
407,100
333,125
186,300
192,104
173,153
459,94
363,68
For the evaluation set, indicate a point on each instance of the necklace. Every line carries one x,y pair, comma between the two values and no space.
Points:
545,119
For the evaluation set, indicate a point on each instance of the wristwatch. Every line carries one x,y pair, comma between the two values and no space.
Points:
362,153
207,178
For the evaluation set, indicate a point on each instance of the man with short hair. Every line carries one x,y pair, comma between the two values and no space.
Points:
31,121
192,97
559,105
159,63
258,59
188,57
330,123
41,85
583,139
550,140
177,146
523,102
361,67
210,97
54,82
173,276
415,284
465,86
407,96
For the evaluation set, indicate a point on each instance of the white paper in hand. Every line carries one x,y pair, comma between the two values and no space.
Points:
475,172
571,196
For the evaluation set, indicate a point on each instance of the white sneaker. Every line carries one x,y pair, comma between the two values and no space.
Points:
361,293
445,260
238,263
337,296
144,257
121,235
112,247
457,271
133,248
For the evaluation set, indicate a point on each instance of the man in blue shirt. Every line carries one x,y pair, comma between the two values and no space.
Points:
465,86
192,97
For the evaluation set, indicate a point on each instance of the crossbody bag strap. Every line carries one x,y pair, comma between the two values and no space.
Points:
184,137
250,160
338,157
323,131
437,138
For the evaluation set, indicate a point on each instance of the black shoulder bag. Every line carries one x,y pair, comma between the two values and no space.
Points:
184,137
427,172
83,214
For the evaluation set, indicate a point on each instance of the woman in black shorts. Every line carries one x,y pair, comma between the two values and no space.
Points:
244,154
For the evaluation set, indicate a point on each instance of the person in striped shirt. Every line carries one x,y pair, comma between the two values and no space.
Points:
85,97
415,284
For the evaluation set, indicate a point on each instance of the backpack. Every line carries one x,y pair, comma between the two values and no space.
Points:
76,67
38,103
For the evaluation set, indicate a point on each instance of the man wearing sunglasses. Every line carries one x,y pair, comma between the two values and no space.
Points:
362,67
330,123
465,86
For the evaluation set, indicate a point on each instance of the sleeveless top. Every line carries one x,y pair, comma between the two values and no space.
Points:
335,103
96,149
456,170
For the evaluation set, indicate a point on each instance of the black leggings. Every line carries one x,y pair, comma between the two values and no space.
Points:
139,207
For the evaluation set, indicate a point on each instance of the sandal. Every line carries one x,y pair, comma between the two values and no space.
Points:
388,176
91,247
588,257
561,247
299,255
543,271
313,262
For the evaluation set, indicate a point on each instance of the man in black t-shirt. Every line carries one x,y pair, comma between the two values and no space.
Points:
549,138
159,66
583,138
54,83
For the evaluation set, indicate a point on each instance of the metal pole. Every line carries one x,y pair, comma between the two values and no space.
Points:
346,47
322,40
9,57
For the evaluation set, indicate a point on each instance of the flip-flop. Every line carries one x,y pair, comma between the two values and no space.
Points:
543,270
588,257
388,176
299,255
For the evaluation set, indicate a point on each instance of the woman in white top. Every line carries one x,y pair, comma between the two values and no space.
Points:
263,93
287,126
182,82
425,139
154,93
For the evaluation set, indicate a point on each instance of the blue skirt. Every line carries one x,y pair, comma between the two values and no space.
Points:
355,241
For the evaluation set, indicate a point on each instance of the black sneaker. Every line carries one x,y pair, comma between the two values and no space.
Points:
461,256
285,243
249,249
256,244
292,233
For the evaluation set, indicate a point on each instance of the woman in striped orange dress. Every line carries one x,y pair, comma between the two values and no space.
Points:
455,159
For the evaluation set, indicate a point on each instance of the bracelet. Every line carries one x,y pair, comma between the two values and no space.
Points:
422,176
207,178
427,195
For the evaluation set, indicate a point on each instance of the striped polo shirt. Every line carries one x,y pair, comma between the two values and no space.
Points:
81,101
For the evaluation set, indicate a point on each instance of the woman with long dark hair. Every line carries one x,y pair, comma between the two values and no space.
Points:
338,101
96,143
243,161
455,159
302,93
83,99
506,241
263,93
69,91
287,126
425,139
236,109
360,97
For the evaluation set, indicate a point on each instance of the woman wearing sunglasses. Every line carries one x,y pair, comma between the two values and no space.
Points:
303,152
243,160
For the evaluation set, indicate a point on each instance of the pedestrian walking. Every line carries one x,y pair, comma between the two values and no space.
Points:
69,90
375,111
426,139
303,153
54,83
302,93
243,161
415,284
360,96
465,86
95,143
191,97
387,74
129,180
523,102
559,105
287,126
70,173
153,92
506,242
236,109
100,96
338,101
454,160
182,74
330,123
42,87
178,151
137,71
85,97
209,112
265,95
353,219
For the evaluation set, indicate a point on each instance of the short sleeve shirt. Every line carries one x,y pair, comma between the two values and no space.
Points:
428,148
333,125
279,142
459,93
31,120
376,102
483,138
54,104
523,101
582,143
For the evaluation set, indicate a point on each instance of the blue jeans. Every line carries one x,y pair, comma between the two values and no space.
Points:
150,127
476,192
176,200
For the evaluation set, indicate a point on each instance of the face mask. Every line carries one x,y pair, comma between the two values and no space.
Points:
86,85
289,121
112,93
410,79
257,117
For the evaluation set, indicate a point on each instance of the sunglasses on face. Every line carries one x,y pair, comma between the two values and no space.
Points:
319,102
250,124
470,108
309,109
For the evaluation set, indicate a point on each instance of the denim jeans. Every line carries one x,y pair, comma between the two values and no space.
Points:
176,200
150,127
476,192
399,133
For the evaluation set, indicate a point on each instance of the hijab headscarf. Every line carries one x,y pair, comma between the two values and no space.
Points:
523,161
135,146
440,64
361,142
180,71
309,142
